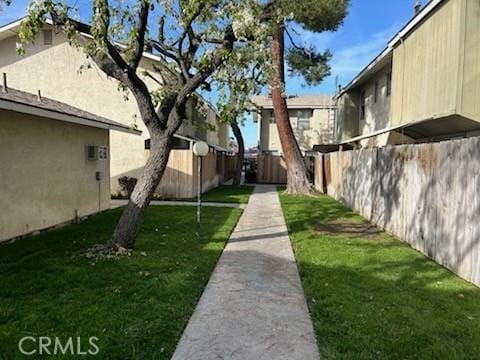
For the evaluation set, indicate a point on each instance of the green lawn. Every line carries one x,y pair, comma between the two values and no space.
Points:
229,193
373,297
137,306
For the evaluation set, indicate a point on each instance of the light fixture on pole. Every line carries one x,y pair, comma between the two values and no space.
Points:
200,149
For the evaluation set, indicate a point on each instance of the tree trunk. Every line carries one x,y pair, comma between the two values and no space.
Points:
297,178
129,224
237,178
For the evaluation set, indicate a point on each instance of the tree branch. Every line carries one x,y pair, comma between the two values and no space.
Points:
293,42
200,77
139,39
165,50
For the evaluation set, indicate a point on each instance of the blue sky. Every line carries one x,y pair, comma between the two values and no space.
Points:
365,32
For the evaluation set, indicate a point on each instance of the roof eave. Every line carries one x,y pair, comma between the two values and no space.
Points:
402,34
56,115
12,26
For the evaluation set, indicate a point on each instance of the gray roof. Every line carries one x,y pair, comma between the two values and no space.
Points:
298,102
58,108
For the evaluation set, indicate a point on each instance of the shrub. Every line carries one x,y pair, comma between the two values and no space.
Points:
127,184
250,176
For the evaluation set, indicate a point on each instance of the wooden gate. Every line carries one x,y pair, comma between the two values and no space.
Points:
271,169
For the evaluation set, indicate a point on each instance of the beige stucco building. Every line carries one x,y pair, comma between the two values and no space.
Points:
423,87
54,162
312,119
64,73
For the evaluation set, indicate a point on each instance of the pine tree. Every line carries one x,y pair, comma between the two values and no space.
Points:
312,15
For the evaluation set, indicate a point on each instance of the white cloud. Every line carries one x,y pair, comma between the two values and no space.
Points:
305,37
349,60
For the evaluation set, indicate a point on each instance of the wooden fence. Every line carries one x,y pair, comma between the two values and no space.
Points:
180,178
426,194
271,169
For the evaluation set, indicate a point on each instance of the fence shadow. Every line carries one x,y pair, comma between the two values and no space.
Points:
426,194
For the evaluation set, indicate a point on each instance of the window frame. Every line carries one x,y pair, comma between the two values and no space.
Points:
363,104
389,83
306,116
47,35
272,118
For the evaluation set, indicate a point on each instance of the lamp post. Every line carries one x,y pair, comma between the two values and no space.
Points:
200,149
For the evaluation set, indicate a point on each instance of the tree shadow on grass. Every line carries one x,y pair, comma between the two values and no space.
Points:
137,306
378,298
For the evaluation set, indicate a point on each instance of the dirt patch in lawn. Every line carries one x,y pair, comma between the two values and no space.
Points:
347,227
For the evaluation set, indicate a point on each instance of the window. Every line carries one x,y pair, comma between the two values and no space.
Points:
272,118
389,83
303,119
375,94
362,104
47,37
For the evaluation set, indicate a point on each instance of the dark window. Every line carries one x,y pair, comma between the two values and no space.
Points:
47,37
363,101
177,144
303,119
389,83
375,94
272,117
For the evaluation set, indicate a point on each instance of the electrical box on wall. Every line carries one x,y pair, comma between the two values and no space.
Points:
95,152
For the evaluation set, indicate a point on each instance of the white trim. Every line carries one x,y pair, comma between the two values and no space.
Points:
14,26
396,127
403,33
365,70
9,27
414,22
50,114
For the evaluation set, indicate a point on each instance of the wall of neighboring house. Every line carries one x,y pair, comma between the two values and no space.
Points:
348,105
377,108
427,66
207,127
321,130
220,135
469,104
435,75
56,70
46,179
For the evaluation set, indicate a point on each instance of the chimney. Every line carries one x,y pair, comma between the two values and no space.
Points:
39,94
5,87
418,6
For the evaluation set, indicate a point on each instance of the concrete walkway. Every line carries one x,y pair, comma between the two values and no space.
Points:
253,306
114,203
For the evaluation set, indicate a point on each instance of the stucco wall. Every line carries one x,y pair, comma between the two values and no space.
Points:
55,70
321,130
45,176
347,115
377,114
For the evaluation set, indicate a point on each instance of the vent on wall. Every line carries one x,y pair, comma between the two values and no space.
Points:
47,37
96,152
